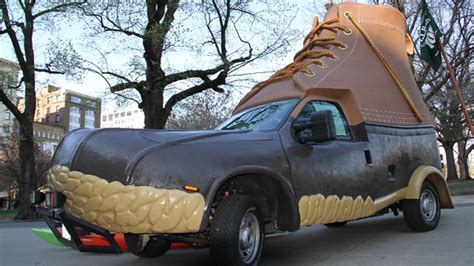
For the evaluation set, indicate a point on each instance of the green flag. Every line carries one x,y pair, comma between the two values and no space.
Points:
429,35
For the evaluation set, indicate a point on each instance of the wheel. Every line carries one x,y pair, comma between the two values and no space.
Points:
337,224
423,214
236,232
154,248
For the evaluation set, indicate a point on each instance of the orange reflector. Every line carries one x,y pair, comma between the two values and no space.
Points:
191,188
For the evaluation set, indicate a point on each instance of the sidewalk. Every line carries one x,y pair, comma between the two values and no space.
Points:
463,200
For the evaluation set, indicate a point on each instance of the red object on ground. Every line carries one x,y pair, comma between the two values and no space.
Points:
96,240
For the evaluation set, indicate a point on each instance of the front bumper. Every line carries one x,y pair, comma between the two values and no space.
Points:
127,209
55,218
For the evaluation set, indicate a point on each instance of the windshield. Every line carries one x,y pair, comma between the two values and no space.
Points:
263,117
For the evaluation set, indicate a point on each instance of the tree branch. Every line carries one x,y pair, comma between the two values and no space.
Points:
192,74
49,70
58,8
12,107
206,84
116,27
129,85
12,34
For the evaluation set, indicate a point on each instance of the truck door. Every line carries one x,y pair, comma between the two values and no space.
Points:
340,167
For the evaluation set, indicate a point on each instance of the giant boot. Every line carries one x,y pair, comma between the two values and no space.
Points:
358,58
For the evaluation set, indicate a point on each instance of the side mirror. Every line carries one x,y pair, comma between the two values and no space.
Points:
321,127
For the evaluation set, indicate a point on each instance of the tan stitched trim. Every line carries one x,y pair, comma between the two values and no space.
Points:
127,209
317,209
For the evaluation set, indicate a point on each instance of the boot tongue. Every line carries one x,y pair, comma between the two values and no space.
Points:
330,14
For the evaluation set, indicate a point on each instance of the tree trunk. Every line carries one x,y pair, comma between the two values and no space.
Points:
155,115
27,161
450,162
462,160
26,150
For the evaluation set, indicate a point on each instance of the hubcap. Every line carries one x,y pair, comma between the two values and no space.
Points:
249,237
428,205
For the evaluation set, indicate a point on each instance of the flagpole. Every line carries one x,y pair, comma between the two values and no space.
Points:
457,89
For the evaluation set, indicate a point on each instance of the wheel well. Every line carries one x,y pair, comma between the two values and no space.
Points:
274,203
442,189
433,175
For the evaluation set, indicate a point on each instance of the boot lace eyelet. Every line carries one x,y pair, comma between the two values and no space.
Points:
323,66
334,58
347,14
347,32
343,47
311,74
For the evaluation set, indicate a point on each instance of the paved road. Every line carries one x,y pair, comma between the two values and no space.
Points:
382,240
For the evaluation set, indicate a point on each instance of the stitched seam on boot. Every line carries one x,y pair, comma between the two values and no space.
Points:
382,23
371,6
400,115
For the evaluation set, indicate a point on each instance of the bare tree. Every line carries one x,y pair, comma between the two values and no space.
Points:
20,19
10,164
205,110
219,30
455,19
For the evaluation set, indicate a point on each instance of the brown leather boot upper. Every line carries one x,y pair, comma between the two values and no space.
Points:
338,64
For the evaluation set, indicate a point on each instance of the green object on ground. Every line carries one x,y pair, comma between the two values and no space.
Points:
47,234
9,213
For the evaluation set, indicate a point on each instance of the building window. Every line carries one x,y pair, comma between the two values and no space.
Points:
47,110
6,129
91,103
90,119
104,118
7,115
75,99
58,98
74,118
47,119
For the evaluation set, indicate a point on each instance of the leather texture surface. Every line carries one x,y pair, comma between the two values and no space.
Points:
358,69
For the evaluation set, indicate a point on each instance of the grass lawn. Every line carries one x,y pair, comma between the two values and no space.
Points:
8,213
461,187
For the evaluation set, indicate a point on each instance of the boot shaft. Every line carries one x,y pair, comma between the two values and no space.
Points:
355,73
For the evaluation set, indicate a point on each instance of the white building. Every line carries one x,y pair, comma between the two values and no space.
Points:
127,117
130,117
8,79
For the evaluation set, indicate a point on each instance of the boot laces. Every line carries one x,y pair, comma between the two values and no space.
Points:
308,55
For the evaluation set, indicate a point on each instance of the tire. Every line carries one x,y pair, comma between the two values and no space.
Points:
236,232
153,249
337,224
423,214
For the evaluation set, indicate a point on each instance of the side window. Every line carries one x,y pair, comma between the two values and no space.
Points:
340,122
